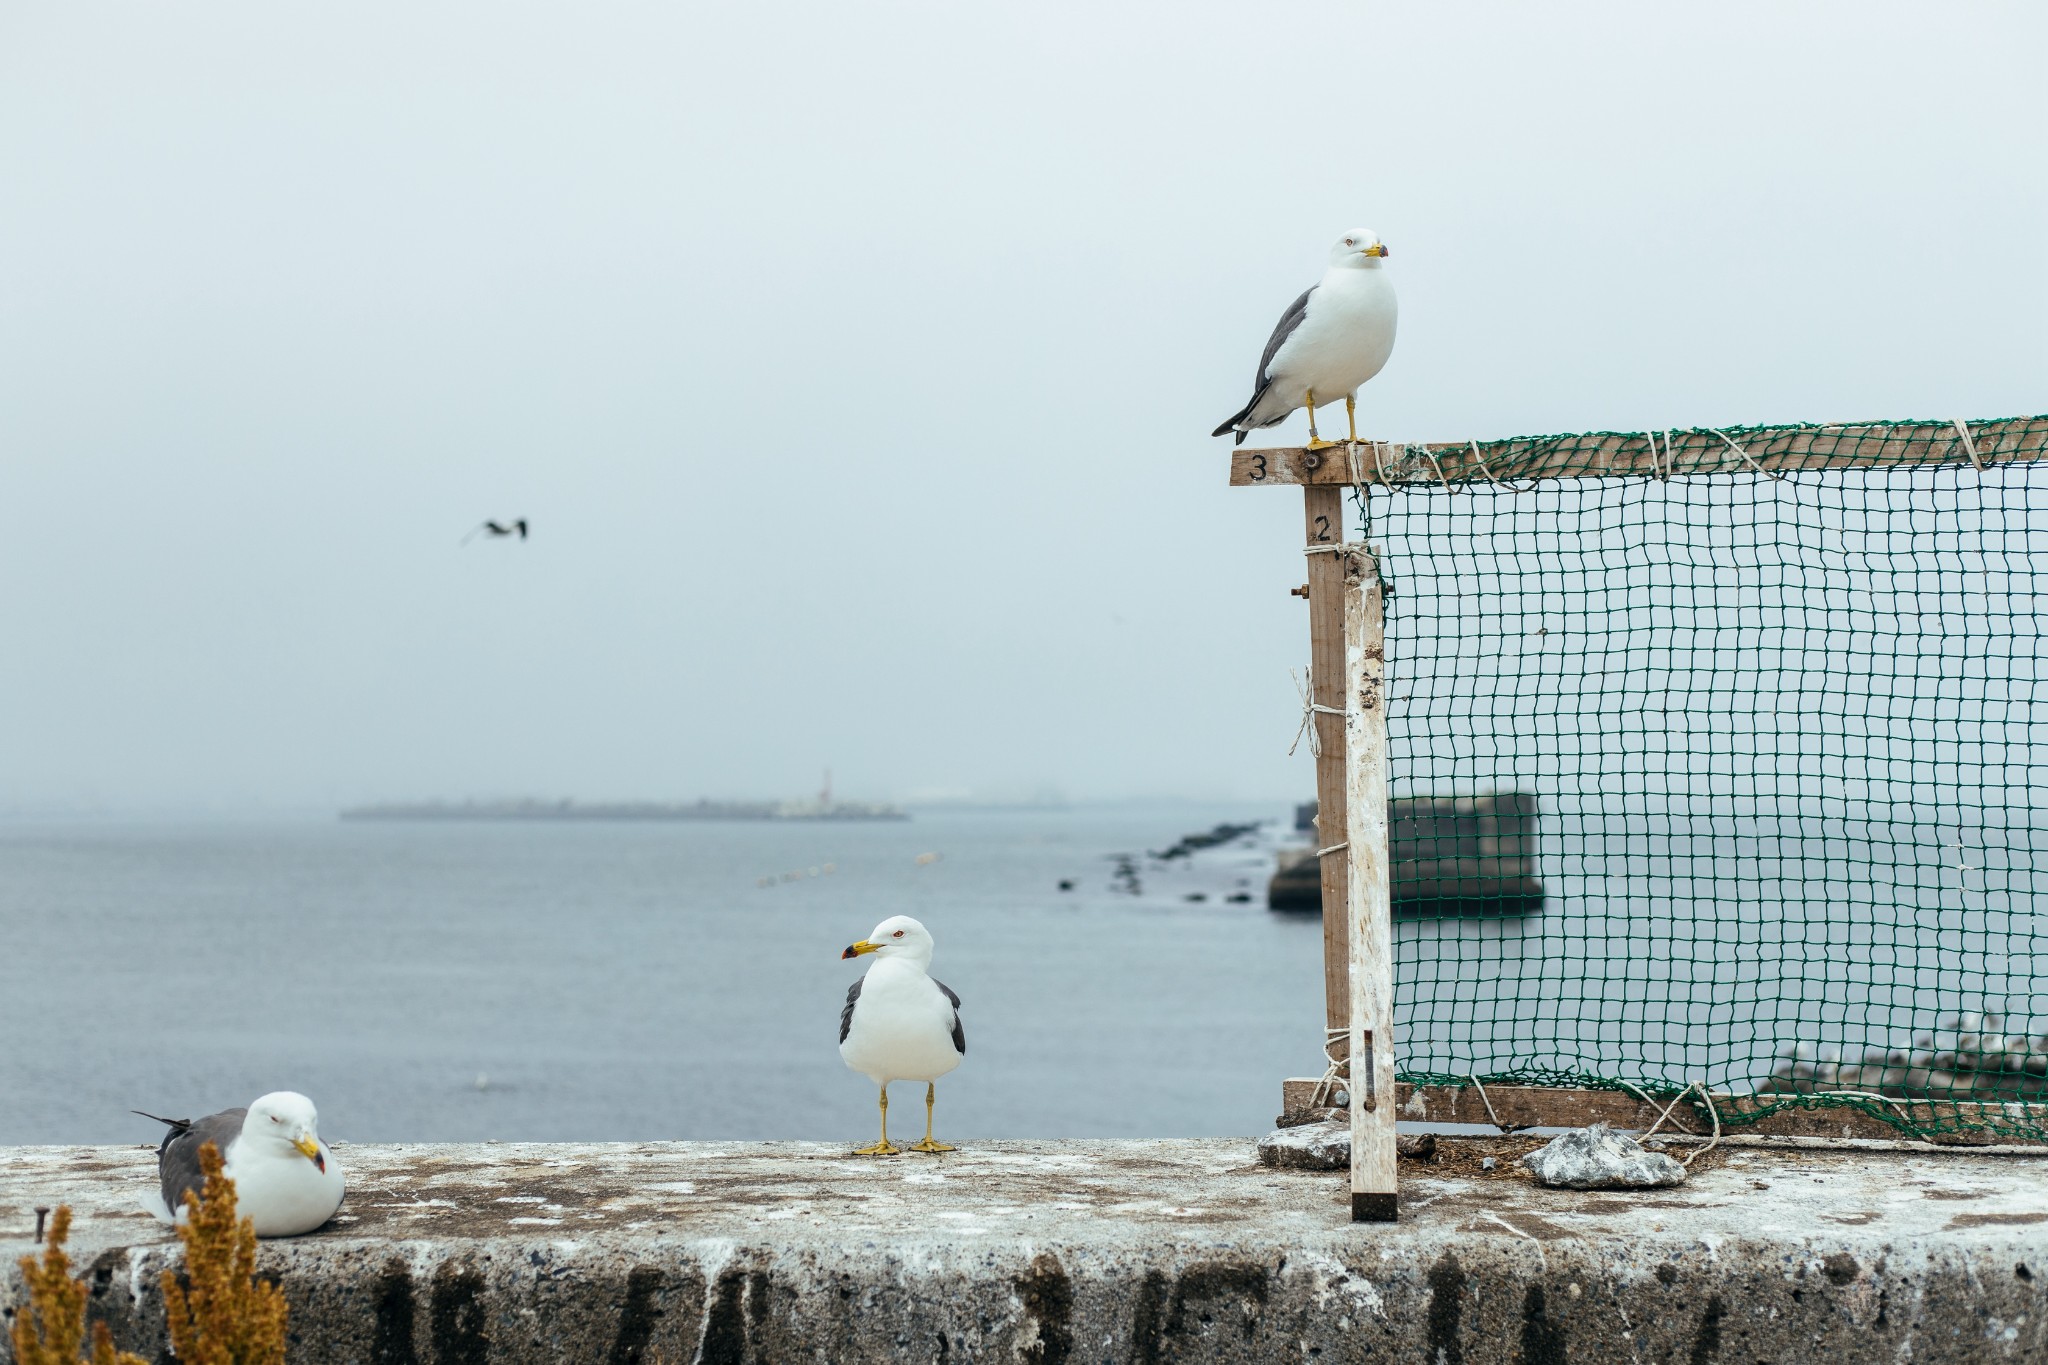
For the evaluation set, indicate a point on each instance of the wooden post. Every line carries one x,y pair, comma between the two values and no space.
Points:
1368,908
1324,506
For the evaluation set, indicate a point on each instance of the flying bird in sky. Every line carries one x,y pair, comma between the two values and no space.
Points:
1331,340
498,528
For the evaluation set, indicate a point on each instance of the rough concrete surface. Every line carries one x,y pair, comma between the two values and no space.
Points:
1050,1252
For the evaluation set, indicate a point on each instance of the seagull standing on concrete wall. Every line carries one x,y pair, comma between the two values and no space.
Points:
1330,341
899,1024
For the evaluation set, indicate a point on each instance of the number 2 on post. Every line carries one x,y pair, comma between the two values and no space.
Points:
1322,530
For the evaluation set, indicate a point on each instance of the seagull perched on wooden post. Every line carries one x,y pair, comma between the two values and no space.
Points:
1331,340
497,528
899,1024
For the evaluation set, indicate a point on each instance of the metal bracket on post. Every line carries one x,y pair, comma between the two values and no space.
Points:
1368,903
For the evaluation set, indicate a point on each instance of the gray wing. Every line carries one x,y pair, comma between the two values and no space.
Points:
959,1034
846,1015
177,1160
1289,320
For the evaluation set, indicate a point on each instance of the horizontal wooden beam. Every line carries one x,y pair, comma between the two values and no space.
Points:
1531,1106
1610,454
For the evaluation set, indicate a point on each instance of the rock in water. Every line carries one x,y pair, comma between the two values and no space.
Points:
1598,1158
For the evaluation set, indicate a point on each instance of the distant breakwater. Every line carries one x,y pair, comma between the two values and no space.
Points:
626,810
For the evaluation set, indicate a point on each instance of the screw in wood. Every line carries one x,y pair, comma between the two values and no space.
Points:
42,1212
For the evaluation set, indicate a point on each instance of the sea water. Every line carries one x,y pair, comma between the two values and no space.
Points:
453,981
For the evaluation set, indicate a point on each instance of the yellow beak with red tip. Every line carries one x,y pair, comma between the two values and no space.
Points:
310,1150
860,949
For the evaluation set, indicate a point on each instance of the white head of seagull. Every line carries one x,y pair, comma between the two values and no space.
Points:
283,1121
1360,249
898,936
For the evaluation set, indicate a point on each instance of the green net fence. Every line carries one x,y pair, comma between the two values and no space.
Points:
1732,738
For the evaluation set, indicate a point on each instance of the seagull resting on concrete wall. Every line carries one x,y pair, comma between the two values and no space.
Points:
1331,340
899,1024
285,1178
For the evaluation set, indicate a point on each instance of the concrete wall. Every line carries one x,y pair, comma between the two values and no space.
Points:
1098,1251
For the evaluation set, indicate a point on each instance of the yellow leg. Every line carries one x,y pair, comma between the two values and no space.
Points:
928,1145
1351,415
1315,442
884,1147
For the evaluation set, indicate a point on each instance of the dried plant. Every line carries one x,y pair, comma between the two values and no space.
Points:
221,1314
56,1303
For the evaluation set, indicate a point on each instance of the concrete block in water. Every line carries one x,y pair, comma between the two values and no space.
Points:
1450,855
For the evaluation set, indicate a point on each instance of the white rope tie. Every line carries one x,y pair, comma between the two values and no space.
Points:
1323,550
1637,1093
1667,1111
1483,469
1969,446
1337,1073
1746,455
1310,708
1712,1113
1430,455
1333,848
1663,470
1358,488
1491,1116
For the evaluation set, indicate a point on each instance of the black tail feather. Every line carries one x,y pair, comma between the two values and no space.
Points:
174,1129
1230,422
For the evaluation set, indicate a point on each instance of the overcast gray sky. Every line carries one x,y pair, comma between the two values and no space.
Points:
855,363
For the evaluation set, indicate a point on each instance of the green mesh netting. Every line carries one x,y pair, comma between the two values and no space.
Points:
1769,693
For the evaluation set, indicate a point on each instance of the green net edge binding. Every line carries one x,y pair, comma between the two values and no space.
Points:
1677,452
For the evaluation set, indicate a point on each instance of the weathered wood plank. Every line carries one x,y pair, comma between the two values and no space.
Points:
1369,892
1324,512
1730,450
1528,1106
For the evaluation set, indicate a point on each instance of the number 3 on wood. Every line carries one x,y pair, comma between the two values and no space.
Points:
1260,472
1322,530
